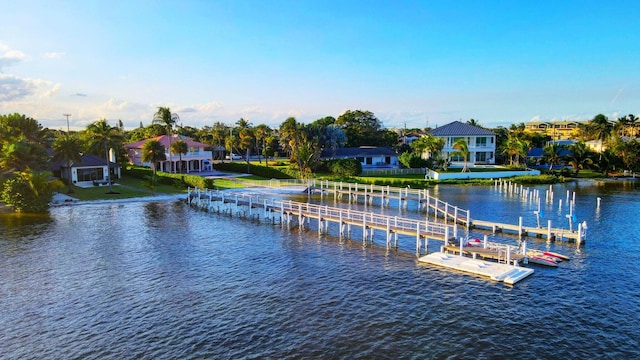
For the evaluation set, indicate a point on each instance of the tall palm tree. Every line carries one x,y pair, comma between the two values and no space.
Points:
152,152
462,150
179,147
103,136
167,119
552,155
515,148
68,149
580,156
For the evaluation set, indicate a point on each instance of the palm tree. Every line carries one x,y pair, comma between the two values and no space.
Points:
515,147
69,150
473,122
580,156
179,147
462,150
152,152
552,155
601,127
103,136
165,118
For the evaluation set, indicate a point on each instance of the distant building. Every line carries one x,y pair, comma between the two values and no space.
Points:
557,130
370,157
481,142
196,158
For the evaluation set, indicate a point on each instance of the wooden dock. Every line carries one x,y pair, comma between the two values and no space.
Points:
291,213
441,209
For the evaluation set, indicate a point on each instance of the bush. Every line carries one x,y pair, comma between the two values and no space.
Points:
177,180
20,197
258,170
345,167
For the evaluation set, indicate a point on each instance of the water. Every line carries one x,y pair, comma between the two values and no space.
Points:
158,280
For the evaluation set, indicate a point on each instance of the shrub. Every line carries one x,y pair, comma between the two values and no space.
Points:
258,170
345,167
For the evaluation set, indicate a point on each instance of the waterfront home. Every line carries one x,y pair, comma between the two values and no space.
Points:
481,142
90,170
370,157
197,159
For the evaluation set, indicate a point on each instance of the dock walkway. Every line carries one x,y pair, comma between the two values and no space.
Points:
355,192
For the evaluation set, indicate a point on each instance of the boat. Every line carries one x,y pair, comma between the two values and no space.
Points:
473,242
555,255
535,258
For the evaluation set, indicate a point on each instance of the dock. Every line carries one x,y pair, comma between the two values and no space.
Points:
291,213
441,209
509,274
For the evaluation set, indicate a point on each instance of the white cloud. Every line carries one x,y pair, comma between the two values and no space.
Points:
14,88
53,55
9,56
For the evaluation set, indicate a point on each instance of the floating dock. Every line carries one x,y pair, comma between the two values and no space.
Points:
506,273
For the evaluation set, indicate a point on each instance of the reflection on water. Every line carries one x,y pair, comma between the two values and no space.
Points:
160,280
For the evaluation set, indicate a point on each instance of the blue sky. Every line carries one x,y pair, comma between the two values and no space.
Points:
417,63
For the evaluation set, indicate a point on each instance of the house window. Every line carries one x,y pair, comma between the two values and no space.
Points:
90,174
369,161
387,160
481,141
360,159
457,158
481,156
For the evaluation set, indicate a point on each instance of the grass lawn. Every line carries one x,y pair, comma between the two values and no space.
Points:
128,187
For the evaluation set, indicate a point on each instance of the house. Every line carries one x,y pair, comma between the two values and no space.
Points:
557,130
370,157
481,142
91,170
196,159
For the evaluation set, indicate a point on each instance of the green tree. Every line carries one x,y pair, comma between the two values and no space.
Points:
179,148
334,138
153,152
462,149
552,155
102,137
601,128
30,191
579,157
68,149
168,120
363,128
22,144
515,148
288,131
429,143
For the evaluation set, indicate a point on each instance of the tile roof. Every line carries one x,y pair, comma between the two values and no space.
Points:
88,160
458,128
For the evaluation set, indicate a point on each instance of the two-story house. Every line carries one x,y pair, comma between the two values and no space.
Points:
196,158
481,142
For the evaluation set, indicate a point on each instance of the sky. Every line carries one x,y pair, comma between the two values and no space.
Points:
411,63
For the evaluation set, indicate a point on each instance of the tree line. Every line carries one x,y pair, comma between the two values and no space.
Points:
26,148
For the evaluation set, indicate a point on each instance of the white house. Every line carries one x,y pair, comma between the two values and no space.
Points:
91,170
370,157
196,158
481,142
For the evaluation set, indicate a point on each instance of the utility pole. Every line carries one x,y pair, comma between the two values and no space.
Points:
67,115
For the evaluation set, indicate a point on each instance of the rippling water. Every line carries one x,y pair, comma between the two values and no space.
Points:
159,280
